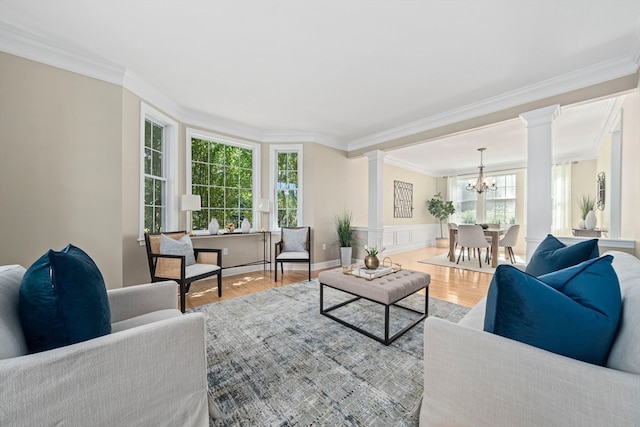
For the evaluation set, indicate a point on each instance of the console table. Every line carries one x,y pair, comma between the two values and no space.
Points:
582,232
265,238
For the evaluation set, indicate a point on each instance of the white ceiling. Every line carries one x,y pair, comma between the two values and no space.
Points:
350,70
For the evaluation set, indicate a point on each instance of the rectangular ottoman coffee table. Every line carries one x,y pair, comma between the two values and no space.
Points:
386,290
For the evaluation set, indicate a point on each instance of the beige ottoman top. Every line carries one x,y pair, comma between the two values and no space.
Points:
386,289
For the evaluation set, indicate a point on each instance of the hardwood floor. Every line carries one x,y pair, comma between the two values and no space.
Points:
462,287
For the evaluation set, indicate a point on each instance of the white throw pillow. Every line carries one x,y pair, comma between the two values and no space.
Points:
294,239
169,246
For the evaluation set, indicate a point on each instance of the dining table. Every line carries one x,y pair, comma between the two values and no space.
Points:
493,232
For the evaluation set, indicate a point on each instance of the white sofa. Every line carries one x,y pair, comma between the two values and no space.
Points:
150,371
475,378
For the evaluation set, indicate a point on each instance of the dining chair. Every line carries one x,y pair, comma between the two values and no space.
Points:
294,246
509,241
472,236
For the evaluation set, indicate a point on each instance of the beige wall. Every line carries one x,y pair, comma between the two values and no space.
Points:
324,179
583,182
630,224
60,165
424,187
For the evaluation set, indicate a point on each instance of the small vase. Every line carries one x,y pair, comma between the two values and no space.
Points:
590,221
214,227
245,227
371,262
581,225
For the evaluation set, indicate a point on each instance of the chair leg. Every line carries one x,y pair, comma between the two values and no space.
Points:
479,258
219,284
276,271
183,297
309,270
461,254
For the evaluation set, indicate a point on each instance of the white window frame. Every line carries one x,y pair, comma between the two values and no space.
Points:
223,139
274,150
515,199
170,167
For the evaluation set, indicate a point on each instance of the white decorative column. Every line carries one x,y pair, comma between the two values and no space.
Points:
539,160
375,230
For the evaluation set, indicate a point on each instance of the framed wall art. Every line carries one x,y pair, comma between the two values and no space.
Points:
402,199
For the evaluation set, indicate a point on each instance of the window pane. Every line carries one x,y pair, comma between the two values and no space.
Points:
246,178
232,176
156,163
148,191
216,175
158,193
216,153
199,173
217,197
246,158
156,137
199,150
245,199
147,134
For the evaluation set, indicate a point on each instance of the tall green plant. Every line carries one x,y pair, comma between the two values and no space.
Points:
344,229
586,204
440,209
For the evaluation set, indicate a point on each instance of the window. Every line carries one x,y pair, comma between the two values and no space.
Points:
224,173
465,202
158,201
286,166
500,205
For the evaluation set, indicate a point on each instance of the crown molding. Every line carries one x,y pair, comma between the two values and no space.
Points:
296,136
588,76
219,124
390,160
611,118
18,42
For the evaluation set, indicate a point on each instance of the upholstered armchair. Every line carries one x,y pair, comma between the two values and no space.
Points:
151,370
171,256
294,246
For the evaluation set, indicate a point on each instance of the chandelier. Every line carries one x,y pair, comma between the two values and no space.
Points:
481,184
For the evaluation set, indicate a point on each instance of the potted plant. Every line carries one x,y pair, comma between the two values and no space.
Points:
371,260
586,205
440,210
345,238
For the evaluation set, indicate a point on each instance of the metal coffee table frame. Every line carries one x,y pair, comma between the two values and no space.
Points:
386,340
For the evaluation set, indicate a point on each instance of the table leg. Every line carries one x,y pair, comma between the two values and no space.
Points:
494,249
452,239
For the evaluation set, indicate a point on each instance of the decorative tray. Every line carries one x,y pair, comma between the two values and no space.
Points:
359,270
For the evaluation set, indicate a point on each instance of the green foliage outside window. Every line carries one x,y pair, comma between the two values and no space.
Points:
154,181
287,189
223,177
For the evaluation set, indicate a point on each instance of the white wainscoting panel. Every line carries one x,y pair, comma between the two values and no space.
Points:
399,238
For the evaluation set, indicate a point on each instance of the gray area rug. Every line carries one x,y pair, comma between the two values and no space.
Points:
273,360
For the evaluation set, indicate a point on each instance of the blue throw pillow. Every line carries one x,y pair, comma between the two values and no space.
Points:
63,300
573,312
553,255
